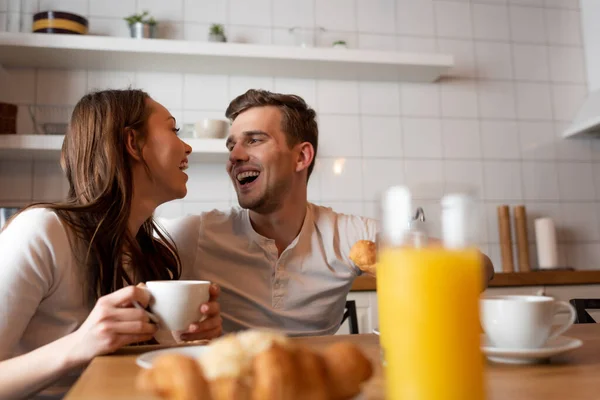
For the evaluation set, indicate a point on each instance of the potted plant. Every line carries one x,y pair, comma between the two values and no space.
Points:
216,33
340,44
141,25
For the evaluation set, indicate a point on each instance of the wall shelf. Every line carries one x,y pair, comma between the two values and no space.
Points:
120,53
47,147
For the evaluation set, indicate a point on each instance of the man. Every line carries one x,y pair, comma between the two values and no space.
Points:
281,262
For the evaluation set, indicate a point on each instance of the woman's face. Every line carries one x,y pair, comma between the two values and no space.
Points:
166,155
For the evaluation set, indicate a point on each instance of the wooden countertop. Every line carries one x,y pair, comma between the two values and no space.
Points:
536,278
573,375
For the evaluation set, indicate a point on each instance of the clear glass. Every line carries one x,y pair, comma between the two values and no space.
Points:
306,37
428,290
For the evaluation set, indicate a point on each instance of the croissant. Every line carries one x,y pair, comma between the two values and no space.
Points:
257,365
364,254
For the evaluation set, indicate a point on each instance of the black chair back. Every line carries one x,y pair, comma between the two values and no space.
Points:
351,316
581,307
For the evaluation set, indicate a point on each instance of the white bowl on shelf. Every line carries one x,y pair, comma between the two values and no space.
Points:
211,129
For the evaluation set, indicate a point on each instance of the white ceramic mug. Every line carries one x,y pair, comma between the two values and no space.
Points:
177,303
522,322
211,128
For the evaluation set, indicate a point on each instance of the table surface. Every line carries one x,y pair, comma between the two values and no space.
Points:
573,375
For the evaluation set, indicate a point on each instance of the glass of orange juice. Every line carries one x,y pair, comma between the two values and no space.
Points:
428,292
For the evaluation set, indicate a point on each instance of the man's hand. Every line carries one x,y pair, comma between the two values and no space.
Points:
211,326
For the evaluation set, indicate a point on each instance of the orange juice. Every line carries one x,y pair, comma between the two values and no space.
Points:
429,323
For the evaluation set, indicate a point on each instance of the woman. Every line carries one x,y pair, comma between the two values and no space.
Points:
69,270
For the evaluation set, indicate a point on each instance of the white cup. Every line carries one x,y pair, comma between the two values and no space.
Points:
522,322
211,128
177,303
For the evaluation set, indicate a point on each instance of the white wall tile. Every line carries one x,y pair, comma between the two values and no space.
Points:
341,179
496,99
371,209
534,101
171,209
580,222
289,13
208,182
576,181
537,3
345,207
205,92
500,140
379,175
205,11
464,56
49,181
305,88
502,180
527,25
422,138
564,27
377,42
74,6
4,27
162,10
197,32
415,44
381,137
420,99
530,62
494,60
567,64
595,150
337,97
18,86
461,138
453,20
569,4
250,12
339,136
540,180
25,125
241,84
566,100
573,149
415,17
376,16
112,9
249,34
60,87
165,88
425,178
459,99
583,255
197,207
537,140
596,173
102,80
103,26
16,180
336,15
490,22
379,98
466,176
3,6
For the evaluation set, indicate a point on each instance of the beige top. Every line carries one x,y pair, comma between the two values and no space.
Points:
301,292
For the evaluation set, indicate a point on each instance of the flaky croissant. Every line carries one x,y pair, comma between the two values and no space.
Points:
271,369
364,254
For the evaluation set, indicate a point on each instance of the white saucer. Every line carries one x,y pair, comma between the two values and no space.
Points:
145,360
554,347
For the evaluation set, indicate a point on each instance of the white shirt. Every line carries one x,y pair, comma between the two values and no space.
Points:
302,292
41,286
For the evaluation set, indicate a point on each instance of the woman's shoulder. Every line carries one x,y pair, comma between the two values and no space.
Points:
36,222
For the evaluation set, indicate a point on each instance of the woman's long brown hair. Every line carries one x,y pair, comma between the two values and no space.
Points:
98,167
